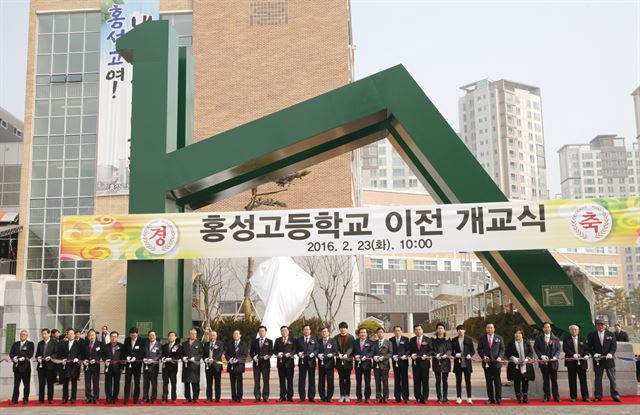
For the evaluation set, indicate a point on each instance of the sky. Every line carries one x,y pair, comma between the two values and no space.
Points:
584,55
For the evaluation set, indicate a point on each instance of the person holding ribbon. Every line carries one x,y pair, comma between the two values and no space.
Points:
171,355
45,352
441,362
236,354
382,351
260,352
576,357
362,355
327,349
602,346
400,356
212,354
20,354
547,347
344,364
462,349
491,350
420,348
519,353
70,351
152,357
284,348
134,353
92,355
191,358
307,350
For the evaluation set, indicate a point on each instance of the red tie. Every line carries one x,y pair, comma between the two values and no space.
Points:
91,347
419,342
490,341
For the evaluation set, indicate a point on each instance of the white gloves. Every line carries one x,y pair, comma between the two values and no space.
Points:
395,357
321,356
185,359
76,360
287,355
526,359
329,355
576,356
458,354
596,355
486,358
357,357
255,358
404,357
280,355
438,356
469,356
133,359
48,358
609,356
311,355
15,359
543,357
414,356
514,359
92,361
266,357
300,355
233,360
424,357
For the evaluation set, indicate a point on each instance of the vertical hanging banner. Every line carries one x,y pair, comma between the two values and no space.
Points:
114,120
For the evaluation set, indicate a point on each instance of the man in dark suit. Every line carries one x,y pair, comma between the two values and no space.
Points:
400,356
20,354
621,336
327,350
92,354
191,357
113,354
152,356
212,354
547,347
420,349
575,347
285,349
344,364
45,351
382,350
260,352
491,348
236,355
55,336
463,350
171,355
70,351
363,356
602,346
134,354
307,350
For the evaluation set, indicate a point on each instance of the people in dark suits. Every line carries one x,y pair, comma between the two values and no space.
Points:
547,347
191,358
260,352
363,358
134,354
400,356
45,352
327,350
212,353
382,351
92,354
576,355
519,352
491,349
441,362
171,355
113,355
621,336
344,364
152,357
70,351
55,336
20,354
462,349
285,348
602,346
307,350
236,355
420,348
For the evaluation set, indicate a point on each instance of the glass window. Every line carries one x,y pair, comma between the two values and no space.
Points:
45,23
55,169
421,289
379,288
424,265
92,42
61,22
376,263
60,43
397,264
44,64
44,43
76,22
402,288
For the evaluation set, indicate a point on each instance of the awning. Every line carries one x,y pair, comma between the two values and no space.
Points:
8,216
9,230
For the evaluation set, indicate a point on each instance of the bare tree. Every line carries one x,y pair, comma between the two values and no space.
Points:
257,200
332,275
209,282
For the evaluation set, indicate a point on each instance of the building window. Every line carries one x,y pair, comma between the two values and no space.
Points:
612,271
422,289
380,288
229,308
424,265
447,265
397,263
269,13
376,263
402,288
183,25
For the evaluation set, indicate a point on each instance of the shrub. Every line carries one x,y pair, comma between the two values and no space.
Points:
226,326
295,328
505,324
370,325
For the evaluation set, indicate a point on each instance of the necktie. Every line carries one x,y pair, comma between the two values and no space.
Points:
325,343
361,345
306,340
70,345
113,350
490,342
398,341
91,347
419,342
380,344
284,341
602,339
575,345
261,342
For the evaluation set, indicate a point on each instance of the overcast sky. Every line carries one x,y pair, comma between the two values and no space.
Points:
584,55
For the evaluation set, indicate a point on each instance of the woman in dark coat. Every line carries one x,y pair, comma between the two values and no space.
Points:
441,362
519,352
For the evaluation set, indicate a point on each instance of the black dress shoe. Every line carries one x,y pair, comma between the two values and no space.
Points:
573,399
545,399
525,399
406,401
598,398
126,402
187,401
207,400
73,401
586,400
267,400
135,402
518,399
217,400
14,402
173,401
196,401
312,400
50,402
282,400
153,400
616,399
40,401
25,401
490,401
289,399
499,401
64,401
556,399
257,400
358,400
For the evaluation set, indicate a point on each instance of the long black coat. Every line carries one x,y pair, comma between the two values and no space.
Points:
26,351
51,350
240,353
512,368
290,348
468,349
441,345
71,369
191,370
